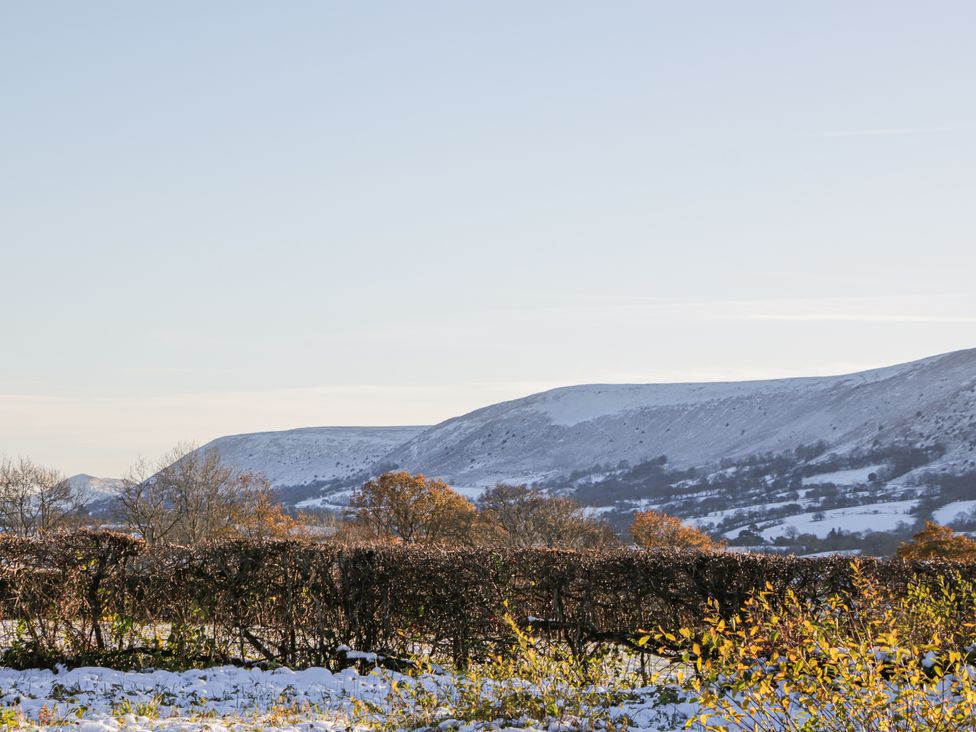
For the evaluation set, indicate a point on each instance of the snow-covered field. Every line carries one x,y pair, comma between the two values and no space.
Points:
870,517
714,517
855,476
230,698
955,510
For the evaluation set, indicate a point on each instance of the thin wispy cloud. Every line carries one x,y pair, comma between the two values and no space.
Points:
865,318
887,131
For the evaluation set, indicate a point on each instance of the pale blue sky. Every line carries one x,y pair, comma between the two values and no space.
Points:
223,217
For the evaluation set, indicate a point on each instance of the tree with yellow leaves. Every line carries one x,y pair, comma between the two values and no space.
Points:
413,509
260,515
656,530
938,542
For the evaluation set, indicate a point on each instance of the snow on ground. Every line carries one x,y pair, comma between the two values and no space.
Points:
870,517
951,511
714,517
854,476
341,498
471,492
223,698
338,499
334,500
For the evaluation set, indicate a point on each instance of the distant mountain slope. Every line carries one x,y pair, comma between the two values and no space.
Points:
791,464
572,428
91,489
311,454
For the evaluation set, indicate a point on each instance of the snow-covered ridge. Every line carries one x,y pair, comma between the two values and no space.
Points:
576,427
571,405
91,489
311,454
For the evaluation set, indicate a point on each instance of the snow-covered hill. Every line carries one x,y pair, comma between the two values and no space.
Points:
312,454
91,489
574,428
881,449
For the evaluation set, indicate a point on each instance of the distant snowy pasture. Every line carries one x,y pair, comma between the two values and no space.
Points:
953,511
870,517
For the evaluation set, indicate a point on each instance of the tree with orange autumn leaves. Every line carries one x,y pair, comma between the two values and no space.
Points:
413,509
656,530
938,542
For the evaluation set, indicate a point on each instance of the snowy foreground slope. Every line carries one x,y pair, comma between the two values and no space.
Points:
225,698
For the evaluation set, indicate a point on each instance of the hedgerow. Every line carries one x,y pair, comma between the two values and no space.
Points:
92,597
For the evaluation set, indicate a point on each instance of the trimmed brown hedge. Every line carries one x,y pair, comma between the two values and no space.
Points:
100,597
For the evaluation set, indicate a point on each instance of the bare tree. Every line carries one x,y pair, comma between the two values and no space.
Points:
143,502
523,516
205,495
35,499
186,497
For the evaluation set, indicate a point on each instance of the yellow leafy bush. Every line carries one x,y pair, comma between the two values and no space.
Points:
870,659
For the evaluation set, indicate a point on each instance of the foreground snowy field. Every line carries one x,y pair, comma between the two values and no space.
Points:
230,698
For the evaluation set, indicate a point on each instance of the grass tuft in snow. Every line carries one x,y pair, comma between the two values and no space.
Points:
527,686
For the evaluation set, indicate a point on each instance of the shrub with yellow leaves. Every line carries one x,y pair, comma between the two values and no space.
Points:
870,659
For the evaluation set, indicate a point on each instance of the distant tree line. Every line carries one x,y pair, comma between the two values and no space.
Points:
401,507
190,496
35,499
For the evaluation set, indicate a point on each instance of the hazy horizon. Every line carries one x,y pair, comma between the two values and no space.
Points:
238,217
